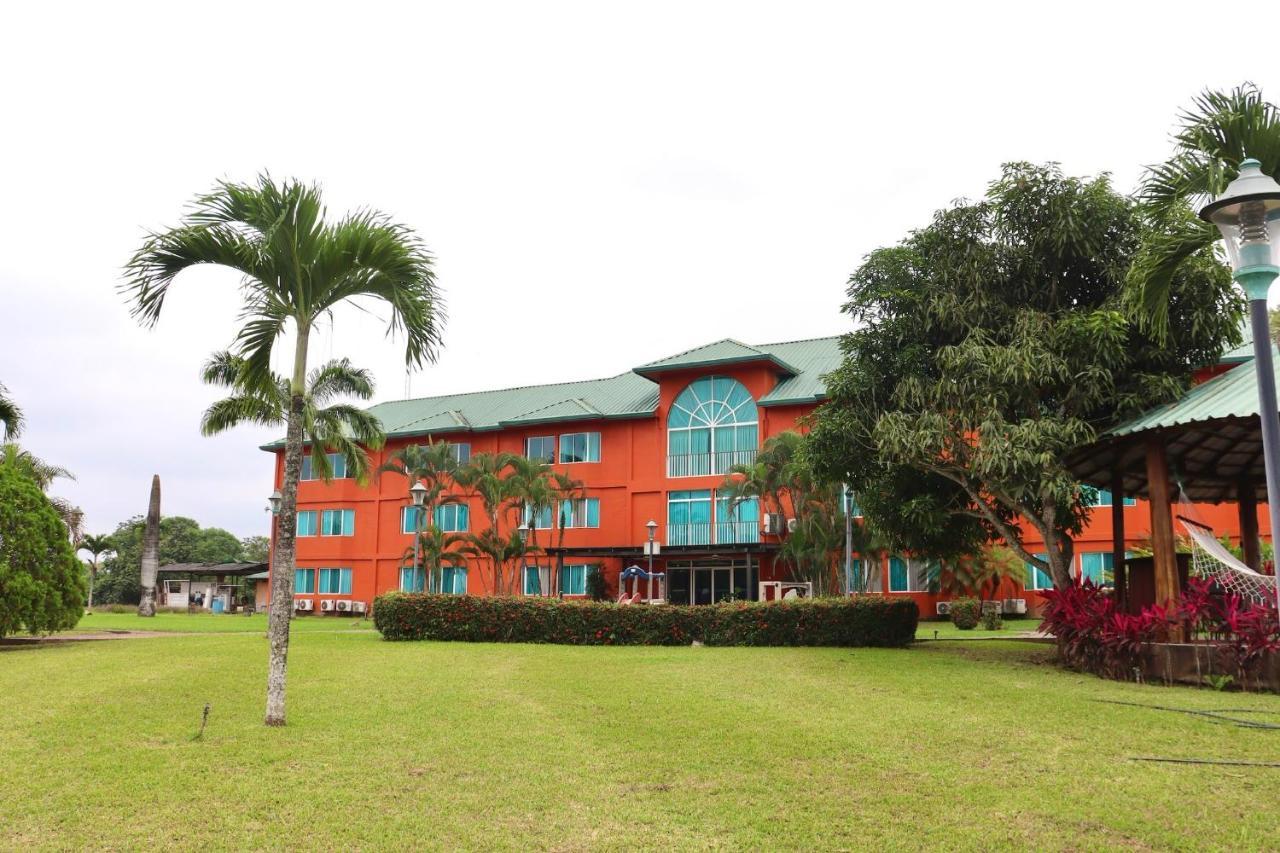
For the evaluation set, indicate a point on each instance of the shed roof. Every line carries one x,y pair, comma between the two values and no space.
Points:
230,569
1211,434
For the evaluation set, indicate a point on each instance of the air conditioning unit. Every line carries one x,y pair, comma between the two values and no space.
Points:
358,607
344,605
944,608
792,524
773,523
1016,606
992,607
327,605
304,604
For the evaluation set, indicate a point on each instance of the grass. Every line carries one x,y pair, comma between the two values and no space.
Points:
210,623
946,630
408,745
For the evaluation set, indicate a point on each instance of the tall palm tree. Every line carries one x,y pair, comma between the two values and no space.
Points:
532,485
1216,133
433,551
98,547
488,475
296,268
342,427
433,465
567,489
10,415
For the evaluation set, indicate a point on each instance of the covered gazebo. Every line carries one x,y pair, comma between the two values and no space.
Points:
203,584
1208,444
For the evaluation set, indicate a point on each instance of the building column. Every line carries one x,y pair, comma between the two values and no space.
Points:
1247,504
1118,569
1165,555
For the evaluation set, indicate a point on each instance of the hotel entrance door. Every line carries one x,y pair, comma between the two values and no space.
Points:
709,582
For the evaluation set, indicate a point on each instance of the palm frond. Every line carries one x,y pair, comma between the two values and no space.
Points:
340,378
10,414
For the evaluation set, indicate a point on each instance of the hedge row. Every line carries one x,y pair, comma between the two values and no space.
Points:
862,621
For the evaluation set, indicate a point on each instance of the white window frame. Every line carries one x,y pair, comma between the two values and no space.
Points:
573,505
344,511
315,522
551,458
350,576
584,568
599,449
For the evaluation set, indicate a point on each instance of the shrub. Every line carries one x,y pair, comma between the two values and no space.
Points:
597,586
965,613
862,621
991,618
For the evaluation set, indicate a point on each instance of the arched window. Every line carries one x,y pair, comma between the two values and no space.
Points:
712,426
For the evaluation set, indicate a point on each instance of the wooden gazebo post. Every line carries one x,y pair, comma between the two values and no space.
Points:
1164,557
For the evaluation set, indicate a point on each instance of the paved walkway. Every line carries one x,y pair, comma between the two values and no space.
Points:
58,639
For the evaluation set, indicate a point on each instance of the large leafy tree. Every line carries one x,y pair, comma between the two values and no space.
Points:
182,540
1218,131
44,473
41,581
327,422
296,268
991,343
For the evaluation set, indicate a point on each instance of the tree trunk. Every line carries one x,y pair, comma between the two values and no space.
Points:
1060,551
93,576
282,570
150,551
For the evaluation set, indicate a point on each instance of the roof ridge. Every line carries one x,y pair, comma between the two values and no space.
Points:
512,388
704,346
800,341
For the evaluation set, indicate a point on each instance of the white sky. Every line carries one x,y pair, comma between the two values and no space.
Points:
602,184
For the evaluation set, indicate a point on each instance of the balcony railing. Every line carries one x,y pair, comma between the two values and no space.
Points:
720,533
706,464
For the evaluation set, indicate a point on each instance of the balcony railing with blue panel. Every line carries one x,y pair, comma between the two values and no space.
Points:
720,533
707,464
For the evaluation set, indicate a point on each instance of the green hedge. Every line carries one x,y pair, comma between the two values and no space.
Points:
862,621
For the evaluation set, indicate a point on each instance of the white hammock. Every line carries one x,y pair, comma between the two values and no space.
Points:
1212,561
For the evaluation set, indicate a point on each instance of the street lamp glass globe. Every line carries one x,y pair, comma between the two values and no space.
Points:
275,501
418,493
1248,216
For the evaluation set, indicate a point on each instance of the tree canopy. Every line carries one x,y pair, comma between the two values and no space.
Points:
42,585
182,540
988,345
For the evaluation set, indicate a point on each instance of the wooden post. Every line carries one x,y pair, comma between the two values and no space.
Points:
1165,555
1117,538
1247,503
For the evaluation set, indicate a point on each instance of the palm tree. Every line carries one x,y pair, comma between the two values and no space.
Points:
567,489
1220,130
488,475
433,465
433,550
98,547
10,414
345,428
532,485
296,268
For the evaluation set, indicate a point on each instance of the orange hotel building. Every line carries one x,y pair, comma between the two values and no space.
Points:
653,443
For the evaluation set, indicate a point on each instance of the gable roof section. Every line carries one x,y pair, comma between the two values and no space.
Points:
717,354
629,395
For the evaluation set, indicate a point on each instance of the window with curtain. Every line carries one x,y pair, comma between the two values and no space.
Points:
1103,497
304,581
412,580
410,516
453,580
580,447
739,523
867,575
533,580
335,581
461,451
581,512
1038,578
908,575
712,426
307,523
543,518
337,464
689,517
541,448
573,579
1098,567
338,522
452,518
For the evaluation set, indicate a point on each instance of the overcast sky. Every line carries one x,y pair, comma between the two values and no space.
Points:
602,184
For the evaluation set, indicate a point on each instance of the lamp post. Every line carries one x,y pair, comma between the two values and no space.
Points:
652,527
848,540
1248,215
417,497
523,530
273,503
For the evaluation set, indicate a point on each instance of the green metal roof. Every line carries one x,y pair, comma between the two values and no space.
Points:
719,353
1233,394
629,395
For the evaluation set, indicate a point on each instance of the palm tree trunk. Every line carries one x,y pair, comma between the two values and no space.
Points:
286,536
150,551
93,576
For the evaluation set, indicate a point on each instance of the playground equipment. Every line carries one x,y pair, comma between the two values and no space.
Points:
785,590
635,574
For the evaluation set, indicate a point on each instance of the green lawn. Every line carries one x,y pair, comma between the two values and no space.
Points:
209,623
408,745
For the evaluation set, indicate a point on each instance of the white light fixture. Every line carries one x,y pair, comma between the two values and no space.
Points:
418,494
275,502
